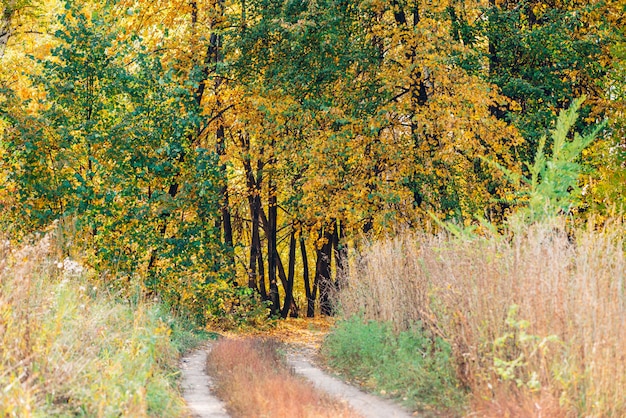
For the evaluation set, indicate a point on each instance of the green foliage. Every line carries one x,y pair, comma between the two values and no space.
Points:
541,55
413,365
552,187
304,50
554,181
513,350
236,307
115,151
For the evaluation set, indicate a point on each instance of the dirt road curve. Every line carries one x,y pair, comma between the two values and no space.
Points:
197,386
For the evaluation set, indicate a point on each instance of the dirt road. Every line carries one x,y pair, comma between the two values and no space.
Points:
197,386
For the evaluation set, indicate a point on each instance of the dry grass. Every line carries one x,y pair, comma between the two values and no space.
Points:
254,382
68,349
537,321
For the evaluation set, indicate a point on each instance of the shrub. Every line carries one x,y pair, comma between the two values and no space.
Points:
232,307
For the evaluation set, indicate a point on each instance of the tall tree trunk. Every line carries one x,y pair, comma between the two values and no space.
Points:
316,281
291,263
272,218
341,257
253,185
310,297
224,218
323,278
255,244
279,263
261,267
215,54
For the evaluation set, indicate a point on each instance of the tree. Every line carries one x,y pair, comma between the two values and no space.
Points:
542,55
351,120
105,149
11,12
197,143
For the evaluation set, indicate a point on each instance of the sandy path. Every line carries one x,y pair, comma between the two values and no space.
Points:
369,406
197,386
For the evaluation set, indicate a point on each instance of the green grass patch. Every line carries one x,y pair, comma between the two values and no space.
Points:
412,365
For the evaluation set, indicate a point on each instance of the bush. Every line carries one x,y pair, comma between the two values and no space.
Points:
235,307
412,365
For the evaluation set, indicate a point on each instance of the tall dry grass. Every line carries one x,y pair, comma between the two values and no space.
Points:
255,382
537,320
67,348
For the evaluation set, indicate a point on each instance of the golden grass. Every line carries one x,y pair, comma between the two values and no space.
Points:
254,382
537,321
68,349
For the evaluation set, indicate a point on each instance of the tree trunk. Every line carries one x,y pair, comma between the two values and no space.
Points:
254,248
215,56
272,218
279,264
291,263
226,223
323,278
255,245
310,297
261,267
253,184
341,257
316,281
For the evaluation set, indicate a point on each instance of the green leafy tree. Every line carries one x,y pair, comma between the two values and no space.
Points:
116,129
542,55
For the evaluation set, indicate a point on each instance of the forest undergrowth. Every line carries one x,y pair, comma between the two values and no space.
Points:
70,348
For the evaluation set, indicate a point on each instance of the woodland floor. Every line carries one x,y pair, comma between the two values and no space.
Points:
302,339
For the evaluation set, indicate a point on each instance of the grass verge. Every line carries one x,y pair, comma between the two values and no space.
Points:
69,349
536,319
412,366
276,391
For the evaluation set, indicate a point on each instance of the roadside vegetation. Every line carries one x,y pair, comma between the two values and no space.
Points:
532,315
70,348
534,321
254,381
413,366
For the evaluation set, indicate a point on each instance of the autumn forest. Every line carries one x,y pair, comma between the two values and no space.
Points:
229,158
